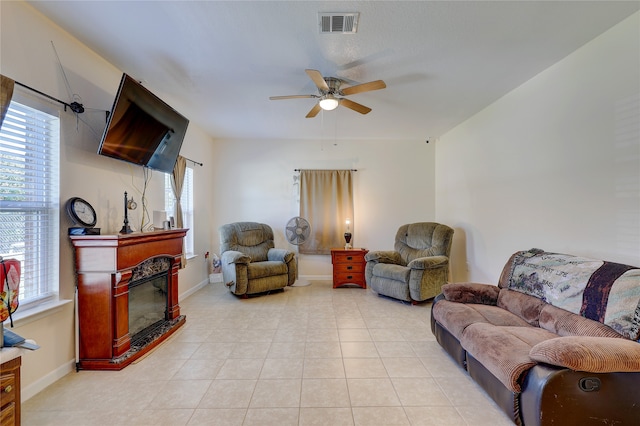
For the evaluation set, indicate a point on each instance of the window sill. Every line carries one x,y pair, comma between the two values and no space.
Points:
38,312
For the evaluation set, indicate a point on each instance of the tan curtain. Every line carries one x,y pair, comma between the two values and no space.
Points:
6,92
177,180
326,201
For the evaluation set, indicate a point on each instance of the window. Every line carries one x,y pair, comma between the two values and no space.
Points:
29,196
186,200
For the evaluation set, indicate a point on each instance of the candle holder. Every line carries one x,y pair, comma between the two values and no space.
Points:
347,236
126,229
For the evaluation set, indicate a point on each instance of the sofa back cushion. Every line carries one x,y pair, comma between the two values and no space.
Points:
602,291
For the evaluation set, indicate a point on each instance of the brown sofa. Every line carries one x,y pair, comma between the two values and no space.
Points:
556,342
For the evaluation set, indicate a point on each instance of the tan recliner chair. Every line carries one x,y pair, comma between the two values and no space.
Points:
250,263
417,268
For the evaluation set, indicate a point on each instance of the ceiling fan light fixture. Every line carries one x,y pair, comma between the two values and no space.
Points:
328,103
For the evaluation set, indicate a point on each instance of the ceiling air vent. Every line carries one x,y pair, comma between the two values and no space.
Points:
344,23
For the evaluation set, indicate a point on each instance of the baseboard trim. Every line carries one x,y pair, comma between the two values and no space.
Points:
193,289
47,380
316,277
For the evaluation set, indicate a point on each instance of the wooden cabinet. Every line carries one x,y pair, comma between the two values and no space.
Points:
348,267
10,392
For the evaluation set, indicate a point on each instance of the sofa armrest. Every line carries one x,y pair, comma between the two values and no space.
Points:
590,354
229,257
382,256
430,262
485,294
281,255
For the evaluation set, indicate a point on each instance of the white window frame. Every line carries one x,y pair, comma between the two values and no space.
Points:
38,166
186,200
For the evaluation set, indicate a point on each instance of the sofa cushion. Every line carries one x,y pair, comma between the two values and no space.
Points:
455,317
565,323
392,272
602,291
504,351
471,293
526,307
591,354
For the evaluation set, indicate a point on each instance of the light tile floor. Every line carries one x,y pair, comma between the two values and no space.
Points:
310,355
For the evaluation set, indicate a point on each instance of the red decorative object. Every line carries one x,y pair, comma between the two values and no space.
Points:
9,287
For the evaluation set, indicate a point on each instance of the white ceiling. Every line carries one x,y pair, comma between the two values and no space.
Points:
442,61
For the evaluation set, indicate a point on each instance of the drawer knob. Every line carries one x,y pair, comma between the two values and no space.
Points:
349,277
8,389
349,267
349,257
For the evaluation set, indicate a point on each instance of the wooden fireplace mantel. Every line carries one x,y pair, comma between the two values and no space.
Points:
104,267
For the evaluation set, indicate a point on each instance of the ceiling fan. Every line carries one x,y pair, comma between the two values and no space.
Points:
331,95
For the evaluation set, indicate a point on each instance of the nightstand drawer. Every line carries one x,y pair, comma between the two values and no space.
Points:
348,267
8,388
346,277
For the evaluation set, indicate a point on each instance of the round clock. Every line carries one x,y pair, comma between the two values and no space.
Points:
81,212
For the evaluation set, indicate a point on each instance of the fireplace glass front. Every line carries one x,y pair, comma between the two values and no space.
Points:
147,303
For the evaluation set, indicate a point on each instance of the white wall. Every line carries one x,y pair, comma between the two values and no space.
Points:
27,56
555,164
394,185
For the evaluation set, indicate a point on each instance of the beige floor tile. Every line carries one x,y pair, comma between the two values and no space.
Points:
199,369
346,322
359,350
322,335
228,394
218,417
209,350
405,367
322,350
372,393
180,394
490,415
386,335
238,368
434,416
380,416
354,335
395,350
284,368
272,417
273,393
324,393
286,350
419,392
323,368
250,350
314,416
160,417
364,368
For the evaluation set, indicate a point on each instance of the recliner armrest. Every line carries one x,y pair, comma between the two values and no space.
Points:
384,256
430,262
229,257
281,255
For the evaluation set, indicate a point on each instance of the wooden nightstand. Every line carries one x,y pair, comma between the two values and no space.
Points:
348,267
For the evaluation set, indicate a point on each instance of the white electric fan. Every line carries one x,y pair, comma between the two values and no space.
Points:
297,232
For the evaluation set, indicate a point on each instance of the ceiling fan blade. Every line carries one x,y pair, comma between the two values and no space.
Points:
355,106
318,79
314,111
364,87
277,98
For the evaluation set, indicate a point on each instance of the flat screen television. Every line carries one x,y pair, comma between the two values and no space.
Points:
142,129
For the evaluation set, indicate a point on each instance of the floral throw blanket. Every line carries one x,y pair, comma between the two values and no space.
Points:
602,291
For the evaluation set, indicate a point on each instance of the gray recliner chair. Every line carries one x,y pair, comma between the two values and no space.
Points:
250,262
417,268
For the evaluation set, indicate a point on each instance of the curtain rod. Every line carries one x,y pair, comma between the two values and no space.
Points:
193,161
299,170
74,106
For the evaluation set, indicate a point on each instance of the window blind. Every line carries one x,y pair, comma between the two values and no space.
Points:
29,199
